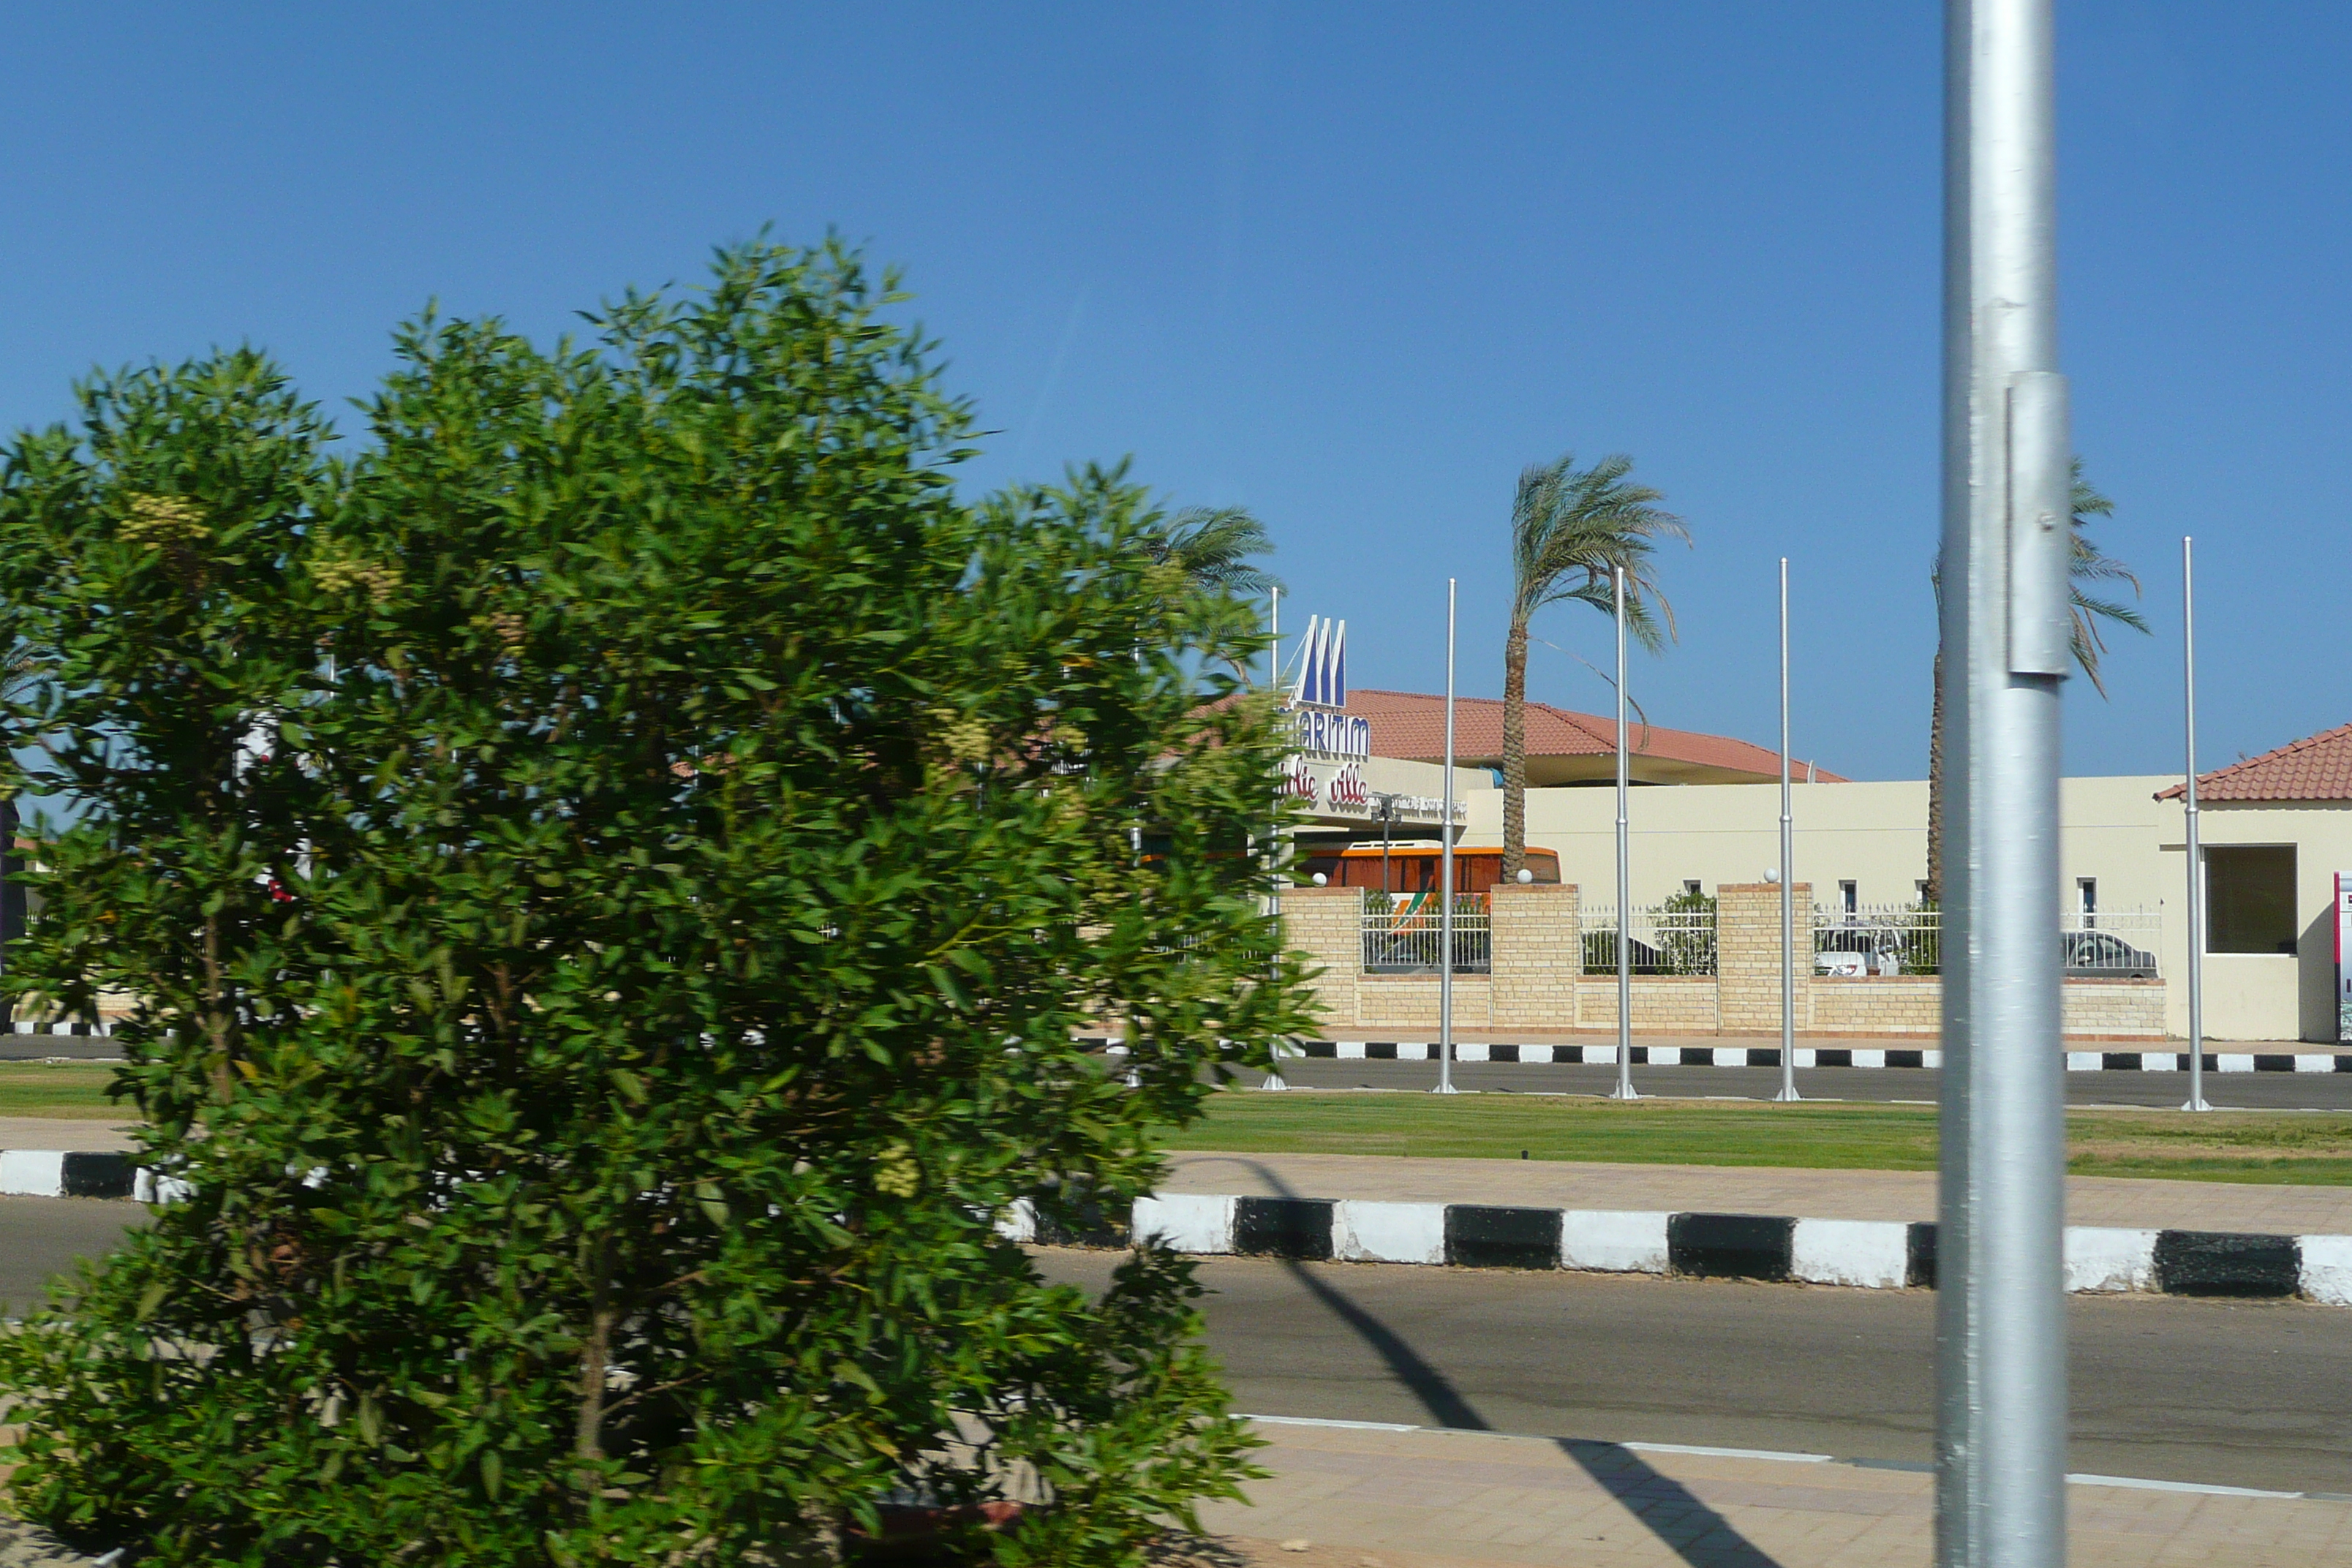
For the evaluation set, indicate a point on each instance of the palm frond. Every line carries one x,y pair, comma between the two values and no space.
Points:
2114,610
1571,529
2086,563
1212,547
2088,502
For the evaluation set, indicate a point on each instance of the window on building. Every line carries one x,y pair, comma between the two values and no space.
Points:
1850,899
2250,899
1920,888
2086,900
1692,887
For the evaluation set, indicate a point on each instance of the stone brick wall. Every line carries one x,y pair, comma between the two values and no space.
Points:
1327,924
1407,1003
2114,1010
1748,957
1876,1005
1662,1003
1538,984
1538,952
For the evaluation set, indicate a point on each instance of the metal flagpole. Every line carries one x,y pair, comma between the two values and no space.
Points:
1445,877
1788,875
1624,1089
1274,1080
2000,1417
2196,854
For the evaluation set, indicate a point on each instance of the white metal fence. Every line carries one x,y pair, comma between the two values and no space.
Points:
1404,933
1877,939
2113,944
1676,938
1260,944
1906,938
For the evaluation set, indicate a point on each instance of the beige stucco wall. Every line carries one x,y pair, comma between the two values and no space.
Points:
1874,835
1393,775
2247,992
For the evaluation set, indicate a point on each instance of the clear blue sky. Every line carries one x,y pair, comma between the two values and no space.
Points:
1350,266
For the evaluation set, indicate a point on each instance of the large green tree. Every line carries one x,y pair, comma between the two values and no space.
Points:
2088,568
1571,528
610,872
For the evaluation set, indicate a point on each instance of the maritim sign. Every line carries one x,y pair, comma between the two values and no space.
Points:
1327,769
1321,686
1322,666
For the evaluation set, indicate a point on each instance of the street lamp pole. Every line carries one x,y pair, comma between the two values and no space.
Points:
1445,876
1624,1089
1387,805
1274,1080
2000,1427
1787,874
2196,854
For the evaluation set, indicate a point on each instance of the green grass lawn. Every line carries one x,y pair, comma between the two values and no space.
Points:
60,1089
2304,1149
2307,1150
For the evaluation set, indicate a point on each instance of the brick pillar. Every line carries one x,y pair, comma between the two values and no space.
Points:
1327,924
1747,956
1538,952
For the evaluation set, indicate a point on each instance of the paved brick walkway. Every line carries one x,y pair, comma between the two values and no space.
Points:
63,1132
1550,1183
1452,1500
2127,1203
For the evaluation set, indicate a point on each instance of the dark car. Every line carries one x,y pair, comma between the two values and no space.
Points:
2103,955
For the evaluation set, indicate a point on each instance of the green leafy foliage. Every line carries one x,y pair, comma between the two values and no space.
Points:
1686,938
611,873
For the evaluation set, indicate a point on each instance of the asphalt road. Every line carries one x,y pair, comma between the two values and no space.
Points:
41,1237
2227,1092
2233,1392
55,1047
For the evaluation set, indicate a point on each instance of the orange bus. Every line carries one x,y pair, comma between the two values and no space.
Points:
1413,867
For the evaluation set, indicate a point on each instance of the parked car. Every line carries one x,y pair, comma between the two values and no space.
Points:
1854,947
2103,955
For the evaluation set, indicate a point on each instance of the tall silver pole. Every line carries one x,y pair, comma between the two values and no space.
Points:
2000,1429
1624,1089
1787,874
1445,877
2196,854
1274,859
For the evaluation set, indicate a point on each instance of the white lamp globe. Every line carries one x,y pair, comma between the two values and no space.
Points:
1321,880
1525,876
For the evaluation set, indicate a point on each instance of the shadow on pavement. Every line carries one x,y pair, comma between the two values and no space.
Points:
1697,1535
1444,1403
1694,1531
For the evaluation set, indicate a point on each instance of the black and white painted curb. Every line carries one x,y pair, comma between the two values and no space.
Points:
60,1173
1770,1055
1871,1254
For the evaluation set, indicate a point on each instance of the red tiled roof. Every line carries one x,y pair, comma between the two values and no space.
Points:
2317,767
1412,724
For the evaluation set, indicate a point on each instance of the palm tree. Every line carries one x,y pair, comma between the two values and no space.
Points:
1213,545
2086,563
1571,529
